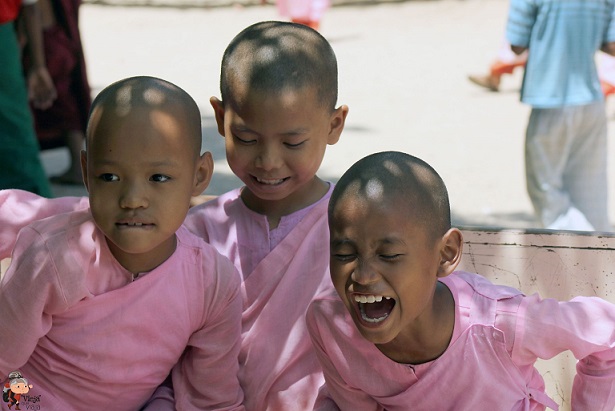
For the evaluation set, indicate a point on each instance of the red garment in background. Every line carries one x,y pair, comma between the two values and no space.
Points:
66,65
9,9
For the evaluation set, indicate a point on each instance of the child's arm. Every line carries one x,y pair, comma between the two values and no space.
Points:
19,208
29,293
335,394
206,375
586,327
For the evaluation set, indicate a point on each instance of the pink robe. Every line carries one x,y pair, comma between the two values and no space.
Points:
87,336
489,364
278,366
279,369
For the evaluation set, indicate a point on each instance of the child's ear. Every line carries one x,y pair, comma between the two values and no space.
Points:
336,124
451,245
202,176
218,107
84,169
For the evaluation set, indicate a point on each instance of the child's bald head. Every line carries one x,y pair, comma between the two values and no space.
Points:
278,56
391,176
165,104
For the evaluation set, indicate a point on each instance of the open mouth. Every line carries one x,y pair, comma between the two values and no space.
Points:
374,309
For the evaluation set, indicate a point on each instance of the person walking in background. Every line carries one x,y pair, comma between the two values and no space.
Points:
20,165
307,12
63,124
565,145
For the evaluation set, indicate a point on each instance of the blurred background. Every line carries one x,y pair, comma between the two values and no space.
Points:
403,68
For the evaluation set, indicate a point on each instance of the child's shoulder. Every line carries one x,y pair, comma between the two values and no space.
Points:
327,306
212,264
462,281
215,210
62,223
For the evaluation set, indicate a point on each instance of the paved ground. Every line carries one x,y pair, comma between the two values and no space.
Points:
403,69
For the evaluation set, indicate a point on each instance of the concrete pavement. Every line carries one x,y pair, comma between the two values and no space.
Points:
403,69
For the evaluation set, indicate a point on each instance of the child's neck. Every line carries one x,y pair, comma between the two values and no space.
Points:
430,337
143,262
274,210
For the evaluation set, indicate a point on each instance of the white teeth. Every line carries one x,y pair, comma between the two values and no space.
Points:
270,182
368,299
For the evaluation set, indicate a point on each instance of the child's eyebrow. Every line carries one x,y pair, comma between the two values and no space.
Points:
341,242
295,132
164,163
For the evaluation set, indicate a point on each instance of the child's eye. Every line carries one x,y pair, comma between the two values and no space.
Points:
108,177
243,141
390,257
160,178
291,145
344,257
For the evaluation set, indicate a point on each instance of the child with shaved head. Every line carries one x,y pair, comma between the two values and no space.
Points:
99,305
407,331
277,114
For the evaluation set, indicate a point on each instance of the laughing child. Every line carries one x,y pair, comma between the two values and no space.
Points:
406,330
99,305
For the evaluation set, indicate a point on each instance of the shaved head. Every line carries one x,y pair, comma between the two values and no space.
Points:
392,176
147,94
275,57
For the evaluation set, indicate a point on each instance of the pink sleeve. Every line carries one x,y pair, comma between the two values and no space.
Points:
19,208
29,293
336,393
206,375
586,327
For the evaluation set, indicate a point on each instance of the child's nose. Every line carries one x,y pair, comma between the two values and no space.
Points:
364,273
134,195
268,158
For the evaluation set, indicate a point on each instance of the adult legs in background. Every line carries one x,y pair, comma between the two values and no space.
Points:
585,175
565,160
63,124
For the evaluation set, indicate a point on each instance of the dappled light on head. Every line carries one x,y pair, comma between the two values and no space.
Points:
374,190
278,57
165,106
396,178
